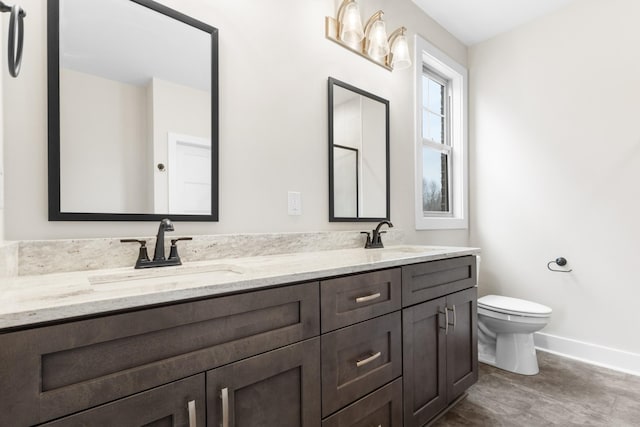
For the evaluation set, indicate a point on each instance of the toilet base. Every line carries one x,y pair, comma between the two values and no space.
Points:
514,353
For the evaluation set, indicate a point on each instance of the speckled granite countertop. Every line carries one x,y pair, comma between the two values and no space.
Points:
27,300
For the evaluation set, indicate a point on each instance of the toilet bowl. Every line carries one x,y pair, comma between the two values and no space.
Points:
505,332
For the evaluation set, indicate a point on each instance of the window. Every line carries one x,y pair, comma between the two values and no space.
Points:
436,148
441,140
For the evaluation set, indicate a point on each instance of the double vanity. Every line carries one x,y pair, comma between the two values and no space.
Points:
351,337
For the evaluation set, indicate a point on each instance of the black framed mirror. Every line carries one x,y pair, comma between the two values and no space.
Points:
358,154
133,112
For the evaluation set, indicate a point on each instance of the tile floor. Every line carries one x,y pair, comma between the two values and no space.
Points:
564,393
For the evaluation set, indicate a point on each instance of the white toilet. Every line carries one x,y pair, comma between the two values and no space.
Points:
505,332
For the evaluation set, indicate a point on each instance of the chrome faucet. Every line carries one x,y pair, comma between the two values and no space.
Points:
159,259
374,239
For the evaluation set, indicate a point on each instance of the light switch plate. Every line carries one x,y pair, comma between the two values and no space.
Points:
294,203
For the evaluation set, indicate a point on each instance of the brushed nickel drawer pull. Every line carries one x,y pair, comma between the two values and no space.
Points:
368,298
224,395
369,359
191,407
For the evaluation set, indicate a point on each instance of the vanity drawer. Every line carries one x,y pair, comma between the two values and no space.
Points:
52,371
429,280
358,359
352,299
381,408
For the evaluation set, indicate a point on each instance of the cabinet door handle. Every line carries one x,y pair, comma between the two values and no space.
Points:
362,362
446,319
453,309
368,298
191,408
224,395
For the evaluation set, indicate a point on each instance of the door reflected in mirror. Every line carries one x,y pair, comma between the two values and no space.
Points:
133,102
358,154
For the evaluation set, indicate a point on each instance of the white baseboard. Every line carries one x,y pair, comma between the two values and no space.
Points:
594,354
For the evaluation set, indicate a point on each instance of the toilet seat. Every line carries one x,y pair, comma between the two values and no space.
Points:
513,306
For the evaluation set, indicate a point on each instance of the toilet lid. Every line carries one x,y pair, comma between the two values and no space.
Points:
513,306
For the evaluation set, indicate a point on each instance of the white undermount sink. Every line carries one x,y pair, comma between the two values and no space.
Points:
208,269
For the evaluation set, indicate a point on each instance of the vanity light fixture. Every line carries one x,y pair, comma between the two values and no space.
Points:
372,42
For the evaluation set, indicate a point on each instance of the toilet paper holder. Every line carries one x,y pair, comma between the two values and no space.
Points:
561,262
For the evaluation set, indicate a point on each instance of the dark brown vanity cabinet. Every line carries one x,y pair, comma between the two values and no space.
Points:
386,348
440,353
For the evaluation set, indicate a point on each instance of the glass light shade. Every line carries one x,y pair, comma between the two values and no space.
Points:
401,58
351,26
378,44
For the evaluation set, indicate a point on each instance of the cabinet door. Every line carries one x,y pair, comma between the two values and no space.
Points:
179,404
424,361
280,388
462,342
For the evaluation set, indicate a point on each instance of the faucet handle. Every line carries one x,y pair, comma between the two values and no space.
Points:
368,242
143,256
173,251
173,241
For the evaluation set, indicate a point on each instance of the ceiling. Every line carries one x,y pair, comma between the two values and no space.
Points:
474,21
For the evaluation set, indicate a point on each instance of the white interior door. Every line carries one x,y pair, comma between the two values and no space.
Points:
189,174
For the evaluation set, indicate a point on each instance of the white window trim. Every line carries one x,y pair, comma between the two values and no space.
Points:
434,58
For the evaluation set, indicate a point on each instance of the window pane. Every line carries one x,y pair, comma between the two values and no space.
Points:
436,97
435,181
436,128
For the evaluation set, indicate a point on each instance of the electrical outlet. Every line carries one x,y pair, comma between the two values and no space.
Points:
294,203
